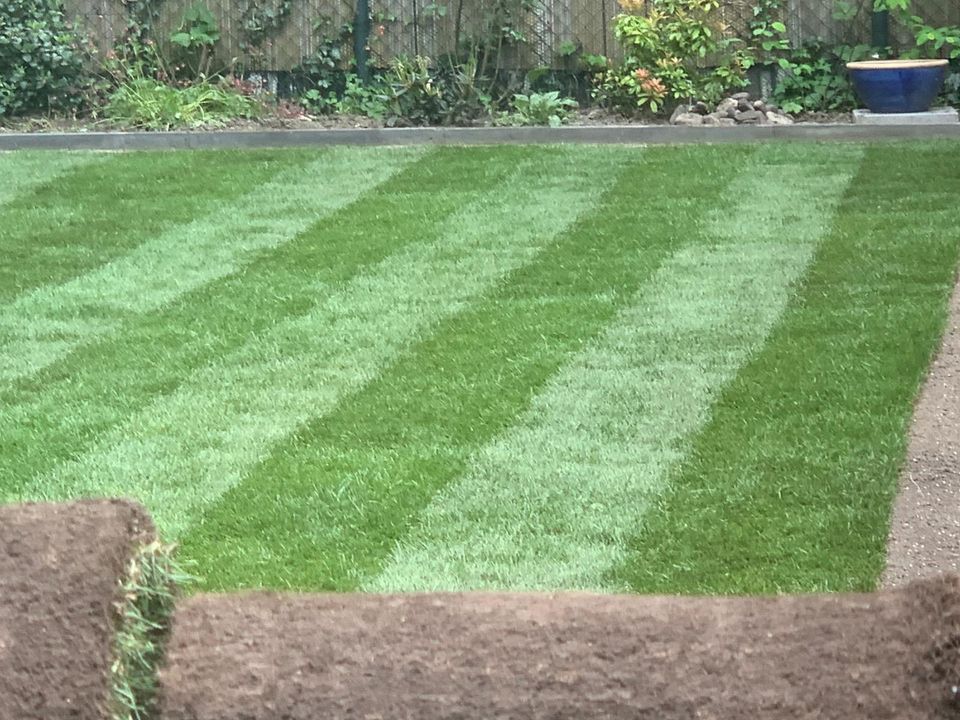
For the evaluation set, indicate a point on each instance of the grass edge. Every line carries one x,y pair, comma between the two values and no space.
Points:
152,582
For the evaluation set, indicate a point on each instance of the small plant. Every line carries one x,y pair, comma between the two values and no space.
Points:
40,66
666,52
148,592
418,95
367,100
931,41
540,109
196,38
324,68
154,105
812,79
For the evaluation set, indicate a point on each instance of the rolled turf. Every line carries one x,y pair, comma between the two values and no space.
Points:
61,568
298,657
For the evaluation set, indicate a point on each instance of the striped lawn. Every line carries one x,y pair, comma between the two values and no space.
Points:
67,214
550,503
654,369
155,352
183,451
354,481
798,467
25,171
39,328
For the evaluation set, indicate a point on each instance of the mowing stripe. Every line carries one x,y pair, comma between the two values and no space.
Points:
325,509
185,450
551,502
151,354
42,327
98,210
24,171
789,488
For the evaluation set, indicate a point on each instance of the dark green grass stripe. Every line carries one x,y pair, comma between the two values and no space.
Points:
56,414
789,487
327,507
97,211
24,170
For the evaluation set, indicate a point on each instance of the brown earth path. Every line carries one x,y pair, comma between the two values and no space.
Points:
925,527
60,567
884,655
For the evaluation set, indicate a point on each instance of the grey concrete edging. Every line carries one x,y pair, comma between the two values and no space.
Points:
615,134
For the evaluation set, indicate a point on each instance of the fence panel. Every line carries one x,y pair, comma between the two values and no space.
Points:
550,31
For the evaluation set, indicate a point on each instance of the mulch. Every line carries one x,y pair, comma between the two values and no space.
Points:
891,654
925,528
60,567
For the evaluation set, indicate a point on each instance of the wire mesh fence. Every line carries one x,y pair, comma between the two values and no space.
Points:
276,35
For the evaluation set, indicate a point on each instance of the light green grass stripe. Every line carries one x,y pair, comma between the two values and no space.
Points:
43,326
551,503
185,450
23,172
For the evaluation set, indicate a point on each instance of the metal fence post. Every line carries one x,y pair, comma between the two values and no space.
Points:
361,35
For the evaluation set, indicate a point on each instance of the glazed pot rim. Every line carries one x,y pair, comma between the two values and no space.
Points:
895,64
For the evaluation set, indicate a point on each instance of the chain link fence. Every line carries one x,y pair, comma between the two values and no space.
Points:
276,35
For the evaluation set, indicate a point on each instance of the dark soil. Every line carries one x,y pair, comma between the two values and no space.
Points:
925,529
284,120
59,571
893,654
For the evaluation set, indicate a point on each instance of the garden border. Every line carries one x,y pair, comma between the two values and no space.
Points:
604,134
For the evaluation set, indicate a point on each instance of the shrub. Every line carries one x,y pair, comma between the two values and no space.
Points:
153,105
813,79
540,109
40,67
676,51
419,95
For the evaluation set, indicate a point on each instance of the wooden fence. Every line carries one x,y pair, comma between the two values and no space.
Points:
431,27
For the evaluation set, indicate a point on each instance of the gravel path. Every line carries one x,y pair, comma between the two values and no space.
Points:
925,529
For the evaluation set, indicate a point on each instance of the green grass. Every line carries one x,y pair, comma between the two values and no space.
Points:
657,369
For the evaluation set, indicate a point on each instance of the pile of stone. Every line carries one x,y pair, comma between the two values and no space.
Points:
738,109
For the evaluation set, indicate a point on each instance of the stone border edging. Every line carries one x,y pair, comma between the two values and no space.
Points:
608,134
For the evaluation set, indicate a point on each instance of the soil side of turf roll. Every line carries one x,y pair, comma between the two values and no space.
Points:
60,568
892,654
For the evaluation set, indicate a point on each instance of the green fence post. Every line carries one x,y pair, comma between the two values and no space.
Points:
880,29
361,34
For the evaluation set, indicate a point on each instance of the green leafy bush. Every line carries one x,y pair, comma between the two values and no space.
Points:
676,50
40,67
153,105
813,78
931,41
195,39
357,98
540,109
419,95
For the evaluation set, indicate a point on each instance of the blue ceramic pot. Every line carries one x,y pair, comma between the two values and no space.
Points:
898,86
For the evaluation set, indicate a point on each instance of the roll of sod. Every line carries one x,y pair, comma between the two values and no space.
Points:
62,570
886,655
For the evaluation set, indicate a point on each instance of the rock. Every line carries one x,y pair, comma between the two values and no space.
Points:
700,108
778,119
759,105
681,109
712,120
741,96
688,118
750,117
726,107
744,105
727,122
